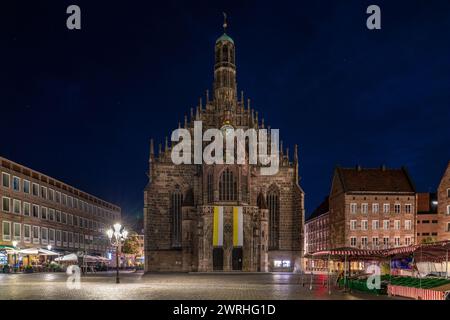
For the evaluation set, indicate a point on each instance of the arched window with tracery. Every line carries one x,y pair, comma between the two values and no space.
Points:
227,186
273,203
176,200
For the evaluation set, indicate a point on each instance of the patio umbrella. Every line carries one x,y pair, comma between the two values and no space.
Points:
88,258
66,258
45,252
29,251
103,259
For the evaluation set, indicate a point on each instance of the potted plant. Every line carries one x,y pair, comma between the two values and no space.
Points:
6,268
28,269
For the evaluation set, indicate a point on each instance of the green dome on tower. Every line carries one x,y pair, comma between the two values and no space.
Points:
225,37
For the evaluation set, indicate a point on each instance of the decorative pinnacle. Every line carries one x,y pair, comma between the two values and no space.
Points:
152,152
225,25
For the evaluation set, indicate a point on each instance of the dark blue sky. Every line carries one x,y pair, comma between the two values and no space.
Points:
81,106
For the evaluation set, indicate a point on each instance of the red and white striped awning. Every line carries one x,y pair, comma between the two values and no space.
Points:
435,252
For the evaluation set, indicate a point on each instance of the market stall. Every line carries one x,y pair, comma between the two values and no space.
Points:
416,271
423,282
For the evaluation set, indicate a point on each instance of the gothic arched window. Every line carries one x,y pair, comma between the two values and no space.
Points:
210,185
217,55
176,200
227,186
273,203
225,53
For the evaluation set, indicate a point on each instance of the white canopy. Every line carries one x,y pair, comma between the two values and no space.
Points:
38,251
28,251
45,252
103,259
83,257
87,258
66,258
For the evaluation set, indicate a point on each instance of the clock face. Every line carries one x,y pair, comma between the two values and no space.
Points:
227,129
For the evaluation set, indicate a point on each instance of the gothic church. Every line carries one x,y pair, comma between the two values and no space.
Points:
203,218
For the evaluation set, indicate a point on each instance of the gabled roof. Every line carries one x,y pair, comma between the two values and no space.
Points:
375,180
320,210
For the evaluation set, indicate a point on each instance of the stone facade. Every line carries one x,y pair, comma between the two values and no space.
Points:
444,206
372,208
272,206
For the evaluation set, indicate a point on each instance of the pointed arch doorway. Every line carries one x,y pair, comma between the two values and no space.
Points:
236,259
218,259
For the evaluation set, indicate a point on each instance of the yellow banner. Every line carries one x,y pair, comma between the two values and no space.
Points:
218,227
238,227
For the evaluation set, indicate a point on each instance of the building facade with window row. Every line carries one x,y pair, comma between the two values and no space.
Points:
372,208
317,236
317,229
38,210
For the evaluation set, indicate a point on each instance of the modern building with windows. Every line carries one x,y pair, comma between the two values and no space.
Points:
38,210
372,208
201,217
317,235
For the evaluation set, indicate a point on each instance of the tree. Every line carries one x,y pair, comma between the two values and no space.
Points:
131,245
427,240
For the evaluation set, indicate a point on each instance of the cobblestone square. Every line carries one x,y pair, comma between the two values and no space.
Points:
139,286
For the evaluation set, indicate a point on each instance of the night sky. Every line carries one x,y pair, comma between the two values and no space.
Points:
81,106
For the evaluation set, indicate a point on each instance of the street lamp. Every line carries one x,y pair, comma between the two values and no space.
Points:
14,243
116,238
49,247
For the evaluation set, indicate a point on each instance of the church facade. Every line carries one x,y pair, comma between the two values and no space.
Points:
222,217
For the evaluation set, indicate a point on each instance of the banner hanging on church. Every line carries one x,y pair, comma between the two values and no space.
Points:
238,227
218,227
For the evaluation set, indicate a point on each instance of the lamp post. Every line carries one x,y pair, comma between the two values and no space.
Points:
14,243
49,248
116,238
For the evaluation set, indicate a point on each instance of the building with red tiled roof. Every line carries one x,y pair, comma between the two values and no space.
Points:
372,208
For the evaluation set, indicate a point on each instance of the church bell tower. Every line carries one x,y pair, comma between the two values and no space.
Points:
225,72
